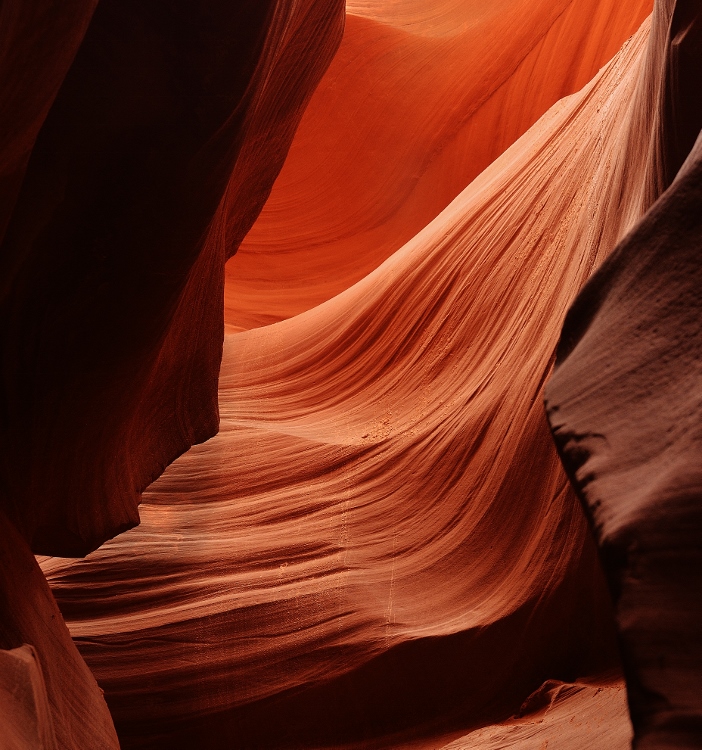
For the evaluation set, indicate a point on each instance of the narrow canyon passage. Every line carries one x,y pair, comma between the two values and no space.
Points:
349,374
381,538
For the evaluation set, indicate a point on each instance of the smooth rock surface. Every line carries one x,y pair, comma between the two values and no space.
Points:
420,98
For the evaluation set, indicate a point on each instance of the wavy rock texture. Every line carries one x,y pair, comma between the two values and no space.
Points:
138,142
631,438
111,268
420,98
381,539
47,693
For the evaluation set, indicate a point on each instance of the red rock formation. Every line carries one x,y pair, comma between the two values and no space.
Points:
47,693
25,713
630,436
380,546
112,263
420,98
138,143
381,538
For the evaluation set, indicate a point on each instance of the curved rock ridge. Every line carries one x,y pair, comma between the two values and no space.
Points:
381,537
111,268
400,124
435,18
564,716
630,436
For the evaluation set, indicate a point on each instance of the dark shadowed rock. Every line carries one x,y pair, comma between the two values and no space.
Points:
38,41
47,692
625,405
111,269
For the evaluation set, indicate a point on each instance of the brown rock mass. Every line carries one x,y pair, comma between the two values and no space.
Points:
630,438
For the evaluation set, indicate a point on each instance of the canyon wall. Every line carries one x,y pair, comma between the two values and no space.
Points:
138,139
381,540
420,98
624,405
112,261
380,547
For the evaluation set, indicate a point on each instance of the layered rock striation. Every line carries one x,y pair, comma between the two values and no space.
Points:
139,141
420,98
112,261
380,548
381,541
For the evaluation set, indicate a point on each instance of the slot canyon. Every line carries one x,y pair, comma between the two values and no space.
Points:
350,374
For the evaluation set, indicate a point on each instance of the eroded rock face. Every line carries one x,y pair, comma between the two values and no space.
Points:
624,404
139,142
112,263
47,693
381,542
381,538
